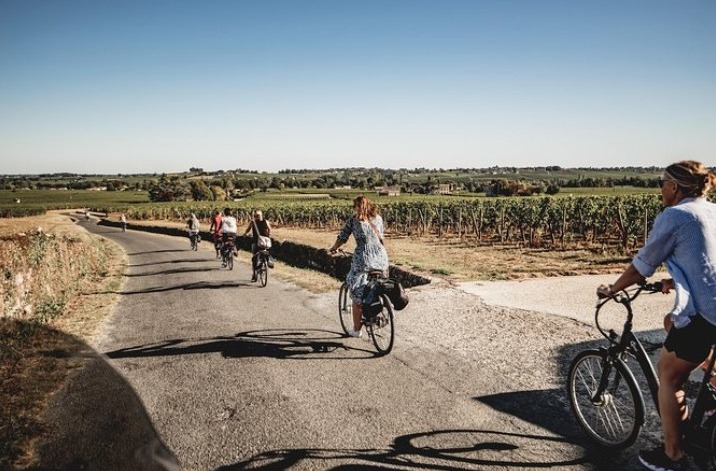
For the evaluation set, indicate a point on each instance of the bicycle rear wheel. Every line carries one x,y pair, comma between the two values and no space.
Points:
345,309
262,271
614,418
381,328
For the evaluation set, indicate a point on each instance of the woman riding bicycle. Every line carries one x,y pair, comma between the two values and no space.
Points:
683,236
366,225
259,227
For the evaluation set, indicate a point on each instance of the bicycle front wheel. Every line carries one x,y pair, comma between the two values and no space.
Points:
612,417
382,328
345,309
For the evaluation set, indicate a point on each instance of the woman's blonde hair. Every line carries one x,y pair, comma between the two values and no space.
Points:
259,214
364,208
692,177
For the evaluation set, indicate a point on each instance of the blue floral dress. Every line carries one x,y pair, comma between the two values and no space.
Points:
369,255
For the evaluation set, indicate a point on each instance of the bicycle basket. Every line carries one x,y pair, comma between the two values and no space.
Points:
396,293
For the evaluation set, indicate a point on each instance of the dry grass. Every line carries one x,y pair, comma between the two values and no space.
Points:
47,293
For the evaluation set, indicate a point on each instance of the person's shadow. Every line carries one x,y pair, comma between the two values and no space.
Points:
95,421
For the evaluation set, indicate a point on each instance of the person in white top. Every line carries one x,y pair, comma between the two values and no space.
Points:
228,224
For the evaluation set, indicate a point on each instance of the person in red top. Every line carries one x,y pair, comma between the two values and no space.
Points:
215,227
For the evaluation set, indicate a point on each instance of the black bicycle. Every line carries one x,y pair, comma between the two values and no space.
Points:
262,266
227,252
379,325
606,398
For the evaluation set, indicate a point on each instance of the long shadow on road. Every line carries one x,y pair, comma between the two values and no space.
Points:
185,286
157,251
192,260
279,344
434,450
174,271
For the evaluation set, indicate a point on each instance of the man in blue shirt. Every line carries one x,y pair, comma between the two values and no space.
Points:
683,237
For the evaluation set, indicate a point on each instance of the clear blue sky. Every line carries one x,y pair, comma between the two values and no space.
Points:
128,86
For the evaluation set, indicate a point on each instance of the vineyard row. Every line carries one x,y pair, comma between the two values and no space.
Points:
621,221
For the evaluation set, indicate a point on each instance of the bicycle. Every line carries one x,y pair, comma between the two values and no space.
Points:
380,327
227,253
262,266
607,400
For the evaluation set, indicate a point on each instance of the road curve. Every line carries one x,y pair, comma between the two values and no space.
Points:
234,376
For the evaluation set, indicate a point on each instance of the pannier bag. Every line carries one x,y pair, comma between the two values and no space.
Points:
396,293
371,299
264,243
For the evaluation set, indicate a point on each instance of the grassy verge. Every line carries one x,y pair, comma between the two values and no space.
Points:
47,291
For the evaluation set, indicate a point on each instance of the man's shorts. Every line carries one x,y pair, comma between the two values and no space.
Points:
693,342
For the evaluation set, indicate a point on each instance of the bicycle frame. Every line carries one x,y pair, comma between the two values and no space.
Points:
630,344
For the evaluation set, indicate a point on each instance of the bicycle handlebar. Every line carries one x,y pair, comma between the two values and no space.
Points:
625,297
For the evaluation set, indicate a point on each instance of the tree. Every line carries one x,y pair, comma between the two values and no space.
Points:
552,189
169,189
200,192
218,193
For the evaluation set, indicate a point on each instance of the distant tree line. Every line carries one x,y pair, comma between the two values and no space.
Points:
200,185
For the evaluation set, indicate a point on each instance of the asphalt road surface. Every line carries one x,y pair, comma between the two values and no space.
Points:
234,376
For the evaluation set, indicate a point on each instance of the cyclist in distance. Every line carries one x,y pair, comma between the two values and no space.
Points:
264,228
215,228
684,237
366,225
228,227
123,222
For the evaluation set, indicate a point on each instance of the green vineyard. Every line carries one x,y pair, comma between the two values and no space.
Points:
554,222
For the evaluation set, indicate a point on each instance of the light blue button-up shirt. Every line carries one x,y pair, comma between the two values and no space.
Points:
684,236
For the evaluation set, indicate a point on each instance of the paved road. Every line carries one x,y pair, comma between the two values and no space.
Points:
234,376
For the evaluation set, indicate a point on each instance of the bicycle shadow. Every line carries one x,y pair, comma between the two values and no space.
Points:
433,450
284,344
